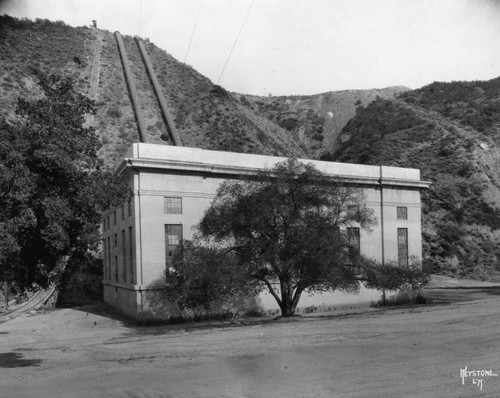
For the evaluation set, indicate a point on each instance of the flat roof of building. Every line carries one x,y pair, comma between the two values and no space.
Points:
157,156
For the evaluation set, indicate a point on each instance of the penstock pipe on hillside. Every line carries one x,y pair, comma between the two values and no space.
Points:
174,135
131,88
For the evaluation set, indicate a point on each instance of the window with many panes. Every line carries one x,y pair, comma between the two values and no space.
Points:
353,212
173,238
109,258
353,239
402,213
124,254
105,259
131,253
172,205
403,247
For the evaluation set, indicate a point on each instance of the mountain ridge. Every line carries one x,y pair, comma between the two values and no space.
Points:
315,121
455,142
206,115
450,131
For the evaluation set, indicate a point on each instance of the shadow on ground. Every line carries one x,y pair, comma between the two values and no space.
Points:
436,296
15,360
191,326
105,311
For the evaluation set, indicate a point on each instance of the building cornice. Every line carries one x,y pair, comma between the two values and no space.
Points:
236,171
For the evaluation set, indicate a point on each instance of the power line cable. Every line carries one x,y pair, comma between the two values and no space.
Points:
235,41
192,33
140,16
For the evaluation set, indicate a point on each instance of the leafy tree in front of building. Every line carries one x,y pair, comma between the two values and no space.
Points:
286,231
52,185
205,277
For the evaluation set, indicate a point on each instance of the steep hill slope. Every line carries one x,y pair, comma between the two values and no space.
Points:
451,132
316,120
205,114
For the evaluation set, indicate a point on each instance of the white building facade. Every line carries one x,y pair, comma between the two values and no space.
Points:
173,186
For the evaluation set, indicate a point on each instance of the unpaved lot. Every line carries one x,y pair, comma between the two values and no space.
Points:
415,352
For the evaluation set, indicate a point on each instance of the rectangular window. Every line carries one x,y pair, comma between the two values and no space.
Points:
403,247
116,240
402,213
353,212
172,205
131,253
116,268
105,259
129,205
354,245
353,239
123,212
114,218
109,258
124,253
173,238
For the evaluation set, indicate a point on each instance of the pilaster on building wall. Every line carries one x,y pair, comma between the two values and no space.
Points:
173,186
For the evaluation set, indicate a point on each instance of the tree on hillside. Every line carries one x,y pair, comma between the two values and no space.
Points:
52,185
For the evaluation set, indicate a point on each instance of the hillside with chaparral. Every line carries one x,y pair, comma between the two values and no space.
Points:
450,131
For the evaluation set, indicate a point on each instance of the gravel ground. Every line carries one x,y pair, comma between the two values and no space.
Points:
413,351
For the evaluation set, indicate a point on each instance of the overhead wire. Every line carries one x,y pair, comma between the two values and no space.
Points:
93,9
235,41
192,32
140,16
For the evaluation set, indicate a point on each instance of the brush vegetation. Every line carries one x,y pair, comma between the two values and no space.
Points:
450,131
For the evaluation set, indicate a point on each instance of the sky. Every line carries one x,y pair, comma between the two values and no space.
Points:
292,47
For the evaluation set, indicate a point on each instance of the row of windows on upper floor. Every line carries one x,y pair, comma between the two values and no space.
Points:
353,212
123,209
173,205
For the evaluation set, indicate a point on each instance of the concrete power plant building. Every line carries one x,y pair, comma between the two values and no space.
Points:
173,186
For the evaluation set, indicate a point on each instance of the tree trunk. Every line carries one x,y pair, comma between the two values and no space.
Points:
296,297
288,304
287,309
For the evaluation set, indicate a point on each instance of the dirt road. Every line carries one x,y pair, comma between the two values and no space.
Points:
416,352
